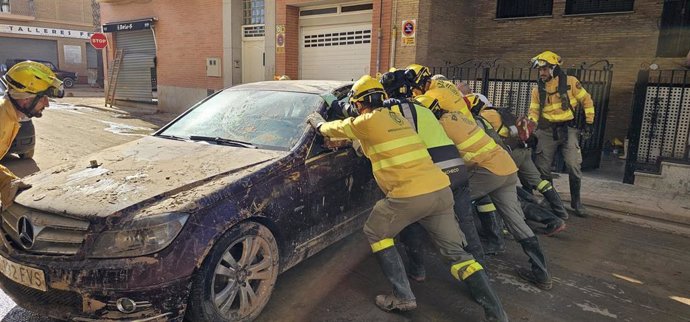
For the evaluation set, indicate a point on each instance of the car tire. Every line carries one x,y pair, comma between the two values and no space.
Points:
27,155
237,277
68,82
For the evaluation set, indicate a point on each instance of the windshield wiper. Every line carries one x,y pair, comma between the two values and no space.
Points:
222,141
172,137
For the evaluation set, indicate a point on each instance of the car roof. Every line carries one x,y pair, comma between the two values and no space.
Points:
302,86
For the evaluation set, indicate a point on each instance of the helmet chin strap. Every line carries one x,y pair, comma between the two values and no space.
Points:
26,111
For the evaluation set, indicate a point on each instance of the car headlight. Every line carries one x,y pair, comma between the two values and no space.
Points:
139,237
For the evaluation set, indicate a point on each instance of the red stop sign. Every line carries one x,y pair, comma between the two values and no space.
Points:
99,41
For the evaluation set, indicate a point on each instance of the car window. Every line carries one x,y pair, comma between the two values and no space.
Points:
50,65
267,119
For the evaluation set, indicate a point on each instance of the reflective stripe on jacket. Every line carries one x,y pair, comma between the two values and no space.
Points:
475,146
400,161
552,107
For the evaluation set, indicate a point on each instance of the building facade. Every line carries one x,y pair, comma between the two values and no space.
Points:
49,30
250,40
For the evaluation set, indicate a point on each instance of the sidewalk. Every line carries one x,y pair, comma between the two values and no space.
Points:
632,204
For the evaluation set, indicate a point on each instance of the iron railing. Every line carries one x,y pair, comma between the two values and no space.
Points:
660,128
511,87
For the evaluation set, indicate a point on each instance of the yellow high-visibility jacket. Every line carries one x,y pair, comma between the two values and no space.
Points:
494,118
399,159
552,107
475,146
9,127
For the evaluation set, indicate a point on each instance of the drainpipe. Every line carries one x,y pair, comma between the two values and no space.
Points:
394,33
379,37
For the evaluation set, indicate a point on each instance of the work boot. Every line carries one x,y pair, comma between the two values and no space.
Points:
537,275
555,226
484,294
412,237
575,201
551,195
493,231
402,298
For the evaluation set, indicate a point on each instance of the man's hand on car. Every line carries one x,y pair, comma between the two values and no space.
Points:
315,120
16,186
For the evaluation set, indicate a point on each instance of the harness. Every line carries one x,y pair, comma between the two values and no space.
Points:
559,129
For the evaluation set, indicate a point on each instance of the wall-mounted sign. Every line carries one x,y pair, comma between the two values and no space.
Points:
409,31
280,39
128,25
43,31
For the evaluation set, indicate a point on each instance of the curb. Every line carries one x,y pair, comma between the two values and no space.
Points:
103,108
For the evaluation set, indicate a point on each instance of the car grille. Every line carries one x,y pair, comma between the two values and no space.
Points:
49,234
58,299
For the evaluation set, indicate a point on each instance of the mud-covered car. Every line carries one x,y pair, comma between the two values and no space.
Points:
197,219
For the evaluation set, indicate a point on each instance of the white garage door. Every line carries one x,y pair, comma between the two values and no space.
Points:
336,52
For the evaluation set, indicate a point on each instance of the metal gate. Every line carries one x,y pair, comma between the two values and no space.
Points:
660,128
511,87
34,49
134,82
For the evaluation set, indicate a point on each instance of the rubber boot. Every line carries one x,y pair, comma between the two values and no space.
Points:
493,230
556,225
575,201
537,275
484,294
538,213
402,298
412,237
551,195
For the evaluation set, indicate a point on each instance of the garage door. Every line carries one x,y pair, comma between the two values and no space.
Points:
11,48
336,52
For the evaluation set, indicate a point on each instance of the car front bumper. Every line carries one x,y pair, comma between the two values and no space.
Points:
96,297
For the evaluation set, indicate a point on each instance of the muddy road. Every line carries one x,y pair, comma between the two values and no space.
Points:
603,270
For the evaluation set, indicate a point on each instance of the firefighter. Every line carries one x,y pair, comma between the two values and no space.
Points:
421,81
553,105
29,84
515,135
416,191
493,173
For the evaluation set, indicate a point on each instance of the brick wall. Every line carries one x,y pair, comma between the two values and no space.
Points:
404,10
627,40
75,11
186,34
287,13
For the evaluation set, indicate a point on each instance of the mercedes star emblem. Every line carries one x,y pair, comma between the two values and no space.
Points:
26,232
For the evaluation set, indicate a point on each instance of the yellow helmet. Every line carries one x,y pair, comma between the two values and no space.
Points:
447,100
417,74
547,58
367,89
33,78
476,104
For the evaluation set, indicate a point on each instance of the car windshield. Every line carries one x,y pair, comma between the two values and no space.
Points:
266,119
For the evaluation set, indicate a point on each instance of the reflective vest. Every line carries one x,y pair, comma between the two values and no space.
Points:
475,146
440,146
400,161
552,111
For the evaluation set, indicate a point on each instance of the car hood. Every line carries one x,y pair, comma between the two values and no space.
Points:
147,169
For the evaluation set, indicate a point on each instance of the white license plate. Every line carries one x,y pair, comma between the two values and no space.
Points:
23,275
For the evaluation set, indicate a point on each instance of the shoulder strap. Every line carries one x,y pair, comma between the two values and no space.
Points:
409,112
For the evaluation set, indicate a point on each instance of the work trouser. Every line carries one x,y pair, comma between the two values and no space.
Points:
434,211
502,191
527,171
570,147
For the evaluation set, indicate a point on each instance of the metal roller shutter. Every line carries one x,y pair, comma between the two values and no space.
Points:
336,52
21,48
134,80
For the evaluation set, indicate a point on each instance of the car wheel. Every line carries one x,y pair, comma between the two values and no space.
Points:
27,155
68,82
237,277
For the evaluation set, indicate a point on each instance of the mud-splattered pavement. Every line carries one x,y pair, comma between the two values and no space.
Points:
603,270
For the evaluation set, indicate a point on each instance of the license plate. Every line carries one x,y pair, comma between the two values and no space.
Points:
23,275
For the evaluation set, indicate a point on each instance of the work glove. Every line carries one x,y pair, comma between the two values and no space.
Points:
16,186
315,120
588,132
